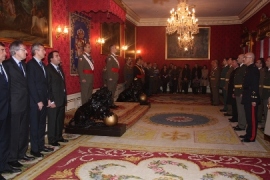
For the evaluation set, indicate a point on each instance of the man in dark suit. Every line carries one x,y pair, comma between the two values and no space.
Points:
112,72
57,99
4,116
38,91
19,105
251,97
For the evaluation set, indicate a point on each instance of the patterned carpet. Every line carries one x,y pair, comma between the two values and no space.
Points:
177,141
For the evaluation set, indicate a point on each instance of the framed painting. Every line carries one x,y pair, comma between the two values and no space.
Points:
130,40
79,35
27,20
111,33
200,50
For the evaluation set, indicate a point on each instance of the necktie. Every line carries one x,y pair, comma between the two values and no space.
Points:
21,67
3,73
58,70
41,65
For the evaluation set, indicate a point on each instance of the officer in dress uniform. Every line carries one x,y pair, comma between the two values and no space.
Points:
112,72
266,89
222,82
214,82
86,73
238,84
227,78
138,72
251,97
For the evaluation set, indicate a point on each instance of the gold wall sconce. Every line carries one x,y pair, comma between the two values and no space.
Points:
61,31
124,48
100,41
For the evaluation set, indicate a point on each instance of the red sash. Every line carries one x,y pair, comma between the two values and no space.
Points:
116,70
88,71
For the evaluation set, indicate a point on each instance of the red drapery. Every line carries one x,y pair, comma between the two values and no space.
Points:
99,10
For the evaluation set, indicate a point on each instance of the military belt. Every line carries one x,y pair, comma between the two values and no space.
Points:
238,86
222,78
88,71
266,87
213,78
226,79
115,70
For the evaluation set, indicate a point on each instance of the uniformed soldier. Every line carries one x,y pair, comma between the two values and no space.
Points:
112,70
227,78
138,72
251,97
238,84
128,73
222,82
214,82
86,73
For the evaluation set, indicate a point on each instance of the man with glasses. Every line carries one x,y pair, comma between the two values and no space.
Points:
38,91
251,97
19,105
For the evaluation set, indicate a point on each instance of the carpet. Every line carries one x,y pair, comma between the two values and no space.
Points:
184,99
82,162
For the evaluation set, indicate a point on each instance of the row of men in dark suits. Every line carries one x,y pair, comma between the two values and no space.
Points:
242,84
29,92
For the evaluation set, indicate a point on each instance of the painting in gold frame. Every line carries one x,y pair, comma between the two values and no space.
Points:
111,33
200,50
130,40
28,21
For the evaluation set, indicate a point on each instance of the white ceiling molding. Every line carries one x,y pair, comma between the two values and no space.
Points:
248,12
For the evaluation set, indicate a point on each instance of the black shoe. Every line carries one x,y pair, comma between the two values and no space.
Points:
227,114
36,154
54,144
11,170
113,106
15,164
2,178
63,140
27,158
47,149
238,129
222,110
247,140
242,136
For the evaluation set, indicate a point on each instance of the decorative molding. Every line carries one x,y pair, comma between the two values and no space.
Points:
253,7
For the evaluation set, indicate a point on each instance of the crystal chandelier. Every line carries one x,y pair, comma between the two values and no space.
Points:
184,23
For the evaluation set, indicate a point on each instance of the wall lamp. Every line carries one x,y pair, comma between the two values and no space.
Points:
138,51
100,41
124,48
60,31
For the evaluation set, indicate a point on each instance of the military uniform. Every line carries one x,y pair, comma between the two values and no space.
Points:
112,70
128,75
138,75
238,84
222,84
261,106
251,94
227,78
214,82
86,72
231,100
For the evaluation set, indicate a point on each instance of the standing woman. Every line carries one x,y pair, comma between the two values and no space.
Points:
164,75
204,79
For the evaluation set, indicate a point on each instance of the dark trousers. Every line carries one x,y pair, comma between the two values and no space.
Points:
203,89
37,127
4,143
234,110
174,86
185,86
56,118
224,93
252,121
19,137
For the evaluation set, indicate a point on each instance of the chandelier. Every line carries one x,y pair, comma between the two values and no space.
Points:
184,23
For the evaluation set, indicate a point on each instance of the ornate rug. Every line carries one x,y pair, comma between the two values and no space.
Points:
84,162
184,99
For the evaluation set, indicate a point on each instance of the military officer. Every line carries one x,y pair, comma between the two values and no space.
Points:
251,97
112,70
214,82
222,82
227,78
86,73
266,88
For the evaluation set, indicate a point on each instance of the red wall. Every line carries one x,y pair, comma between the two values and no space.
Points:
252,24
225,42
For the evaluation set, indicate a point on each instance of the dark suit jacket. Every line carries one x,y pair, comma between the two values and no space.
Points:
4,97
18,86
57,87
37,83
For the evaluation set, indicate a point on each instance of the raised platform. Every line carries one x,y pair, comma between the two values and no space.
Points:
128,114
